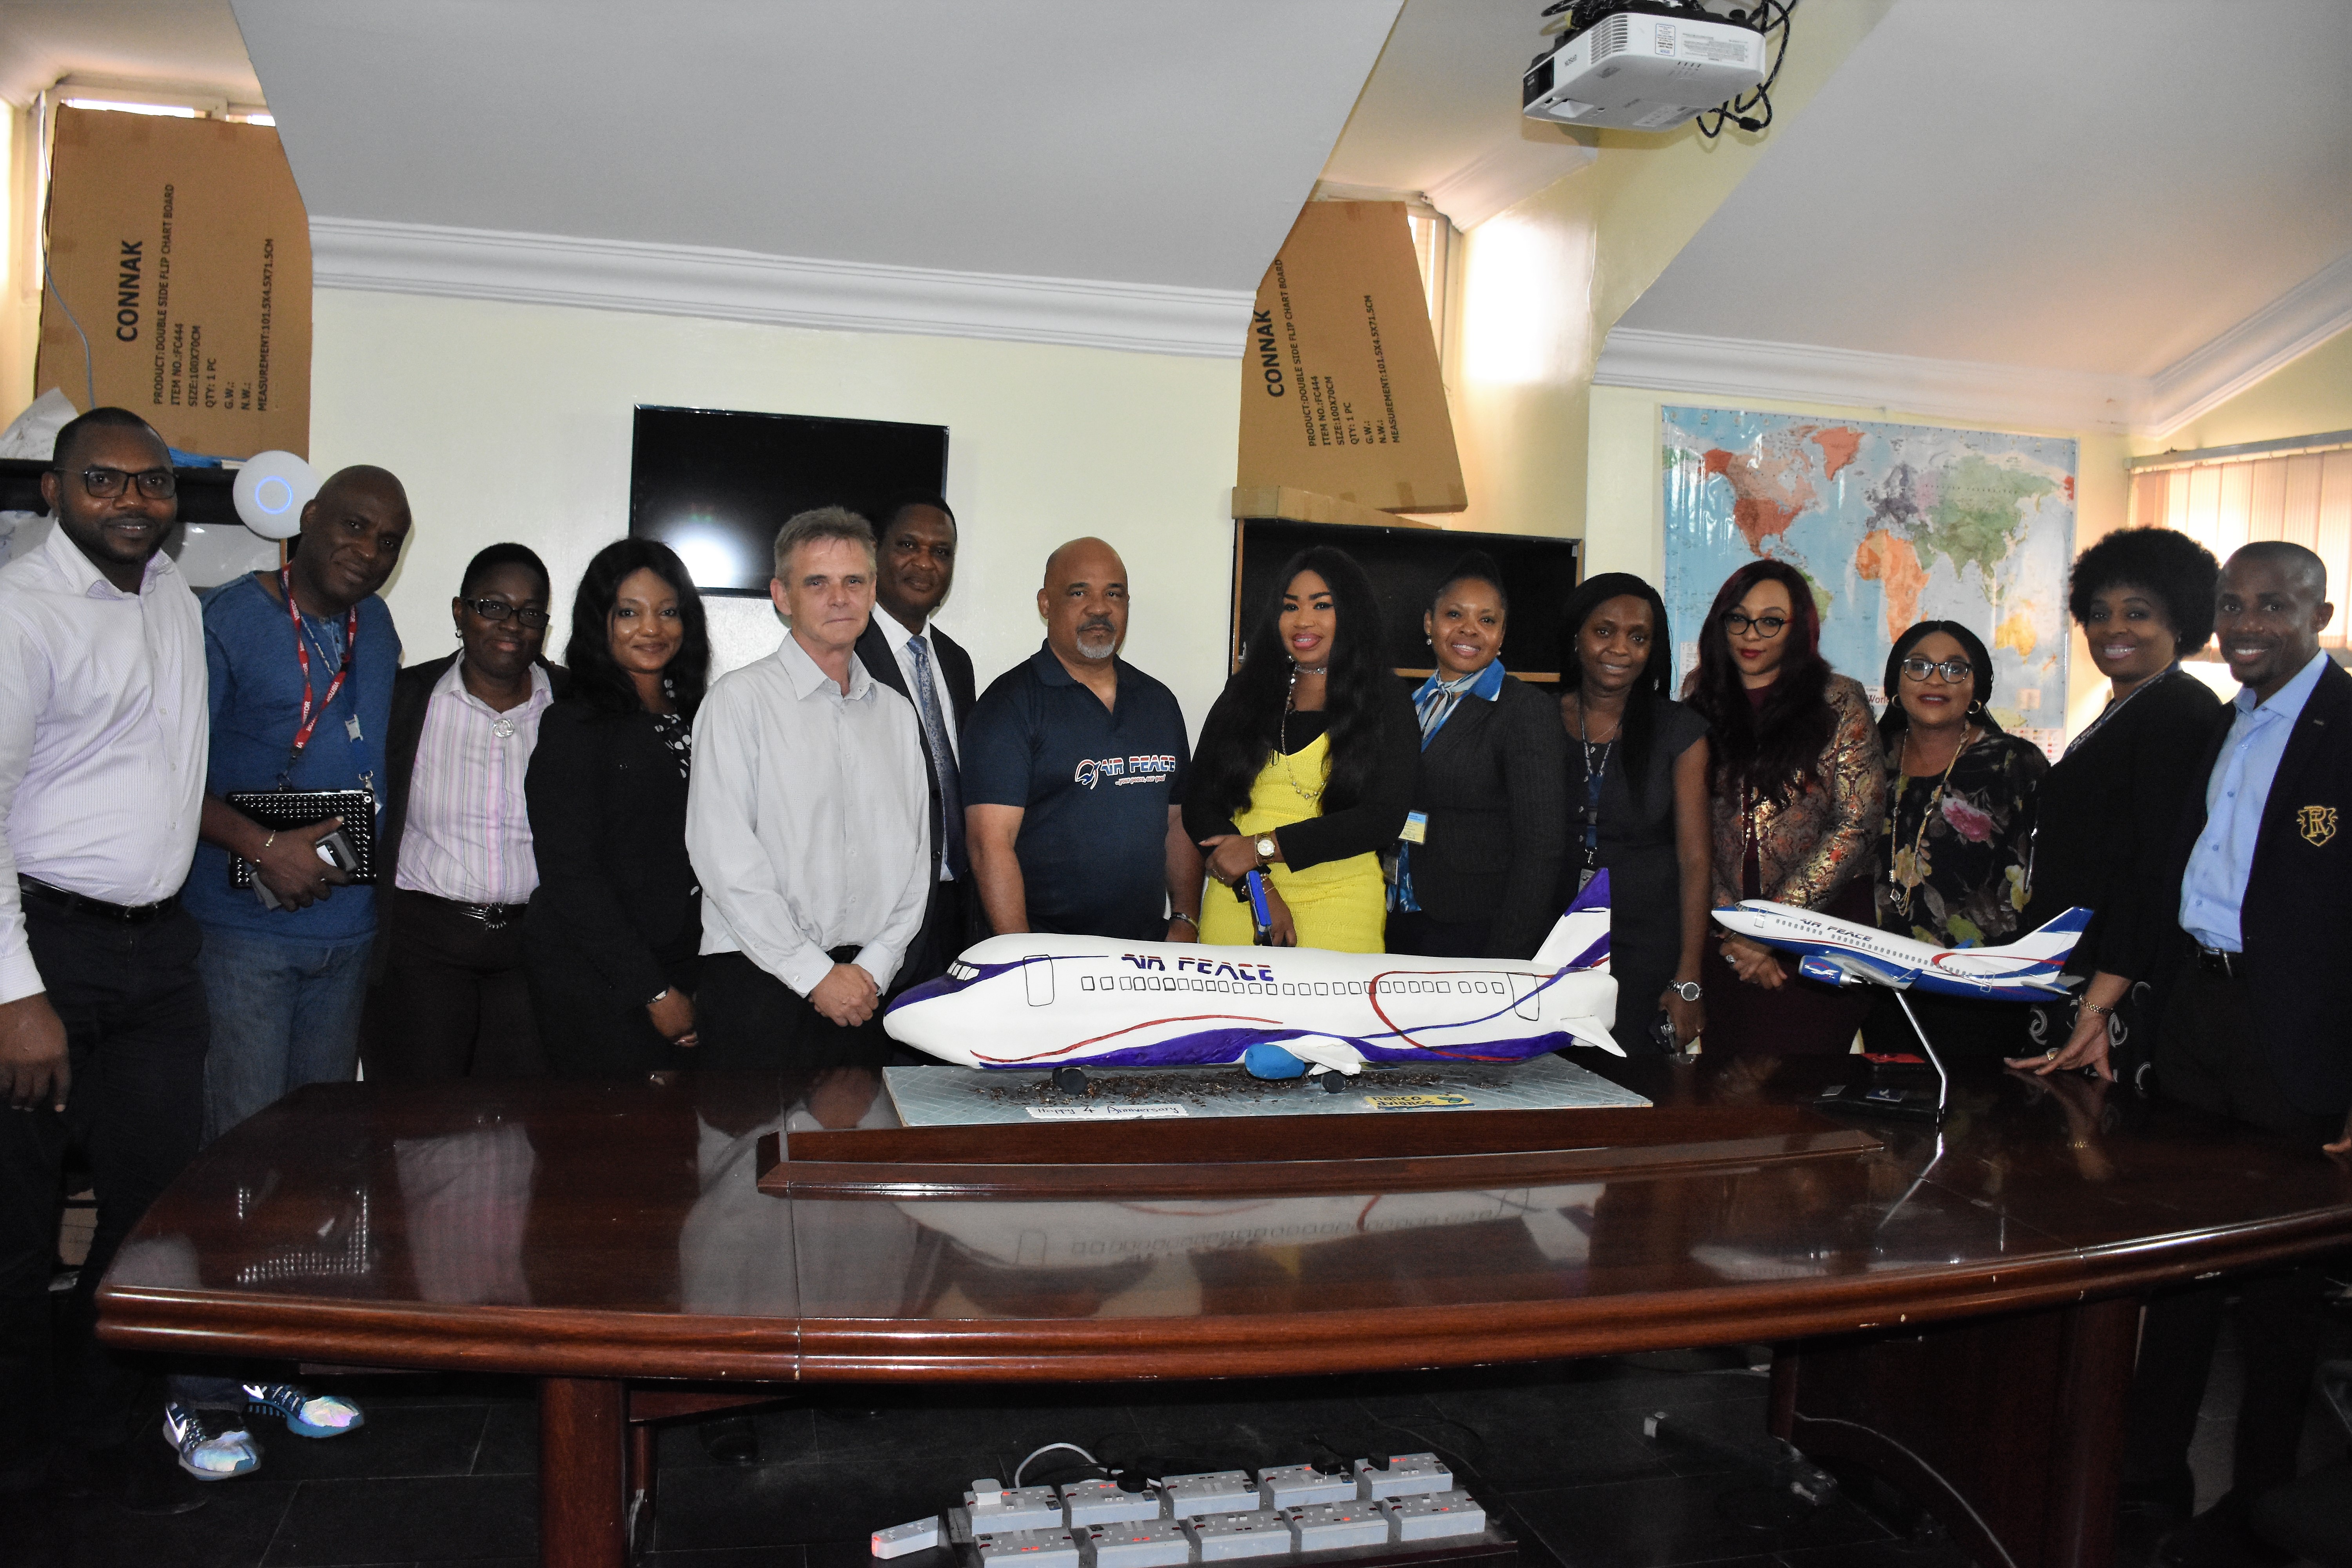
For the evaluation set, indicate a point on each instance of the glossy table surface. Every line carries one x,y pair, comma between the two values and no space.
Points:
572,1230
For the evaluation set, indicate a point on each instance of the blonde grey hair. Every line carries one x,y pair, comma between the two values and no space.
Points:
823,523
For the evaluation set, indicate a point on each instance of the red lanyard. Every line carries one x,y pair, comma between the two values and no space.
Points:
302,653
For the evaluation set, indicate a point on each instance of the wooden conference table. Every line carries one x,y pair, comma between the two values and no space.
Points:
1954,1310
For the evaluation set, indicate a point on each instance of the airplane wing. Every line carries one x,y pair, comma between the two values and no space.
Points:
1852,969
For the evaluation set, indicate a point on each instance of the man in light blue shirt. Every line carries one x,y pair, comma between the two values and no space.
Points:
2215,884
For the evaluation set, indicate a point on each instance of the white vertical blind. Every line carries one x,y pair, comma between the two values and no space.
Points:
2304,498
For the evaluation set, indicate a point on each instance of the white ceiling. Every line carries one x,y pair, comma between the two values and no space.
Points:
1118,142
1441,114
2092,186
186,43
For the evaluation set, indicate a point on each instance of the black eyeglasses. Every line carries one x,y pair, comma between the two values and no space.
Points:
495,610
155,484
1953,670
1767,626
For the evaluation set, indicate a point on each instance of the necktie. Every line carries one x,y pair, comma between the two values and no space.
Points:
944,760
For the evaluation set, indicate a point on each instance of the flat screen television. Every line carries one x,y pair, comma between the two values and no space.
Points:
716,484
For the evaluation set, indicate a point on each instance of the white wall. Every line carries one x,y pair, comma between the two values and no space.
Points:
512,421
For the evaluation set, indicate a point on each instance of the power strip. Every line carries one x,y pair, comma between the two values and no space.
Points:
1203,1517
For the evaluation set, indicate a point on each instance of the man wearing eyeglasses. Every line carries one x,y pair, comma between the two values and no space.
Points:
103,1024
447,996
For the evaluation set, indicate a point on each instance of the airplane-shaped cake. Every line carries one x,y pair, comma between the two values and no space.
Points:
1844,953
1041,1000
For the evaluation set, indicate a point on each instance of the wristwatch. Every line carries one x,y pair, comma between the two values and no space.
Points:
1688,989
1265,846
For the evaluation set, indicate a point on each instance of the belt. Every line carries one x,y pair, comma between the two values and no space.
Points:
2229,965
494,917
121,914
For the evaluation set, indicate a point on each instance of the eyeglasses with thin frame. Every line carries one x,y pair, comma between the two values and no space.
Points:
1766,626
1954,670
105,484
496,610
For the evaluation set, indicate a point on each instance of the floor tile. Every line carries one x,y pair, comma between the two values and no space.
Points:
333,1525
231,1531
509,1444
399,1440
715,1506
1668,1521
1937,1554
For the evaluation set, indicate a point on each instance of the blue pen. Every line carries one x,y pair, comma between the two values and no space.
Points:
1261,914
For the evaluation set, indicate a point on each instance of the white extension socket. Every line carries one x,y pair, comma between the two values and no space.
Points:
1029,1547
1297,1486
1228,1537
1210,1491
901,1539
1154,1544
995,1509
1406,1476
1102,1502
1329,1526
1432,1516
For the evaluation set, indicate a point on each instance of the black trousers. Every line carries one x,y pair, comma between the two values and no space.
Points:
752,1022
136,1030
587,1029
2209,1055
453,1001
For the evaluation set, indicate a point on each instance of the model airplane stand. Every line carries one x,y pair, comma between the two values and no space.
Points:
1893,1100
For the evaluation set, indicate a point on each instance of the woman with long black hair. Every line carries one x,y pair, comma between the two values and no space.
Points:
1951,862
1637,803
613,933
1799,789
1306,764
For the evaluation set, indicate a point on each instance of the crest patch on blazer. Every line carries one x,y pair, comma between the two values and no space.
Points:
2316,823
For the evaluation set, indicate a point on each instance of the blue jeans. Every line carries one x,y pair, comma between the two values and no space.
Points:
284,1013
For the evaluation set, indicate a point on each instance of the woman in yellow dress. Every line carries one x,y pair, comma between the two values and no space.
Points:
1305,765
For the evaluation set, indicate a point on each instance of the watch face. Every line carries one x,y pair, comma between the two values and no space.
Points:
1266,847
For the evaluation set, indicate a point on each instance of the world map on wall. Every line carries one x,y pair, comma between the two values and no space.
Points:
1891,524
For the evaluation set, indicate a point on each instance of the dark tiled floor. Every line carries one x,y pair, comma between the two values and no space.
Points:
445,1470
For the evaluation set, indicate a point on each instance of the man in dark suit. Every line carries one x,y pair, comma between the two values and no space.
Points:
2258,1027
446,994
903,650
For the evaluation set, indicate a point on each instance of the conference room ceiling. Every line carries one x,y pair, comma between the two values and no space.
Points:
2099,185
1122,143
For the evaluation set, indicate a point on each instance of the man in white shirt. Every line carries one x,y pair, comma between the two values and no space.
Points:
904,649
807,821
103,1023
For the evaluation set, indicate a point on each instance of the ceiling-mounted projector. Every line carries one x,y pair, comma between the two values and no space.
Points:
1638,70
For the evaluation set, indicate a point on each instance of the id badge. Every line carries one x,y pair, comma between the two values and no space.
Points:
1416,828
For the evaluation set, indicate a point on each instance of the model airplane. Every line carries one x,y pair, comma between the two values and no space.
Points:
1844,953
1034,1001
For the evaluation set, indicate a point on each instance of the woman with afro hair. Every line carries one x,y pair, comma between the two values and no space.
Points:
2144,598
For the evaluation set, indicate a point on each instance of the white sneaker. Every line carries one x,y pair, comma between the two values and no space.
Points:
213,1444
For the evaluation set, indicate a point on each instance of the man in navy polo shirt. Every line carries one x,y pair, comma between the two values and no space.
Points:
1073,769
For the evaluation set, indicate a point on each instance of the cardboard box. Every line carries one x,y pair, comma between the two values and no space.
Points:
1340,392
184,250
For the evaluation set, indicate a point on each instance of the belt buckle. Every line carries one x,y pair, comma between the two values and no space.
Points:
491,915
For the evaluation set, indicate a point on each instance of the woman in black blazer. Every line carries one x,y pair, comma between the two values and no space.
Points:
1481,855
612,936
2144,598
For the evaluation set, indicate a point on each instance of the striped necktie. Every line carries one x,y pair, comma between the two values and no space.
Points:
943,759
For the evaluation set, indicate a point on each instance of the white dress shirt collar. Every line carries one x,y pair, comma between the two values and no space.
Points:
79,570
454,680
896,633
806,675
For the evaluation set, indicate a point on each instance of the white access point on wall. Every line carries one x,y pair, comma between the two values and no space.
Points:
1636,70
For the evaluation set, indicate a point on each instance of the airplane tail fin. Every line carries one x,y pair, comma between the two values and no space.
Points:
1579,938
2053,944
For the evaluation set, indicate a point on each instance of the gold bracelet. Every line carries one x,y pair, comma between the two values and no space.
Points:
269,841
2090,1006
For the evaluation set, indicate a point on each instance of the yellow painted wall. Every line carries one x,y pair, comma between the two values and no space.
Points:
2305,397
20,267
512,421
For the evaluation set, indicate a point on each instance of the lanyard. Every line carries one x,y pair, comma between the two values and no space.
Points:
311,717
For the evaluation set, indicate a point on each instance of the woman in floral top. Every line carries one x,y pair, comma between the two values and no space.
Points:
1953,856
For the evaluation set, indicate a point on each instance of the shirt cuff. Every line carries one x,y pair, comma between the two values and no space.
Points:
806,975
19,976
870,959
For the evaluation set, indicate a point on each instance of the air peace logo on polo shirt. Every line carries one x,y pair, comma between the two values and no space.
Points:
1144,770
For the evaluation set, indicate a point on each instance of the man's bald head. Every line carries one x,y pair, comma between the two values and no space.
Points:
2268,615
1084,602
351,533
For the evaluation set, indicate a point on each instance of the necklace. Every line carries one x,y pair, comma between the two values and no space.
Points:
1594,771
1289,697
1920,838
